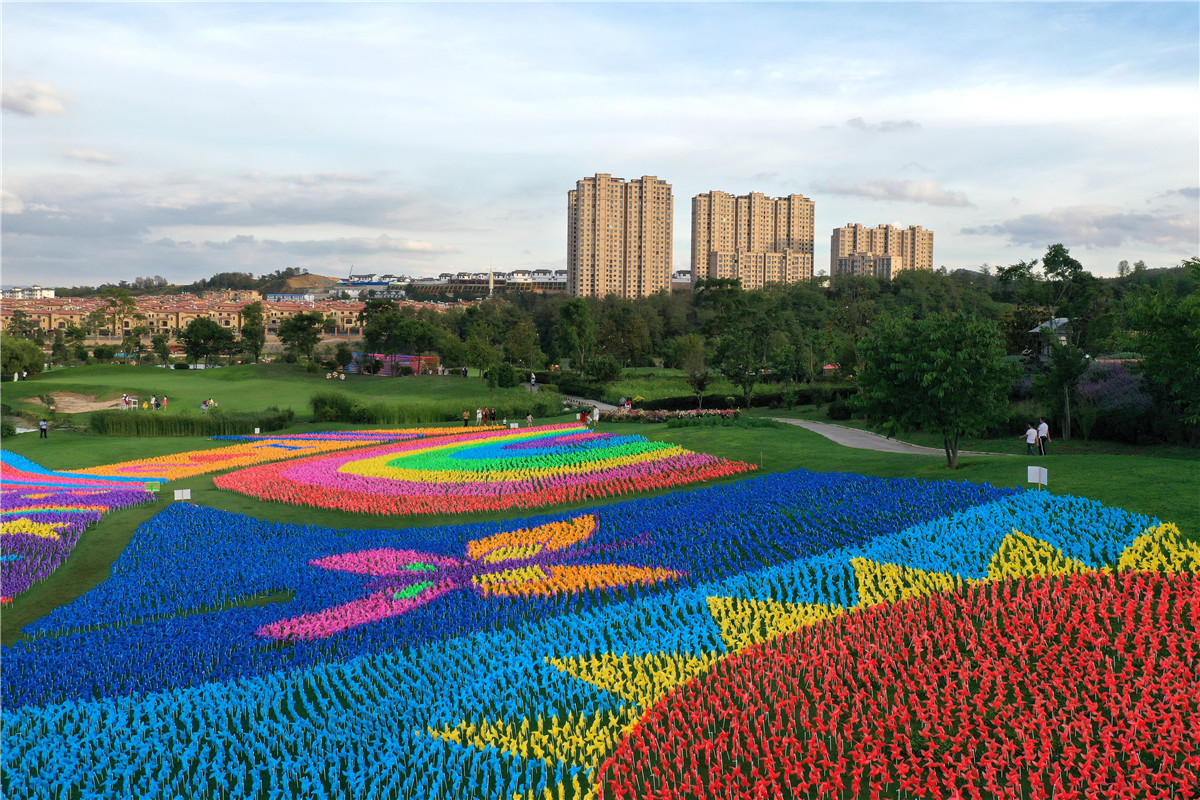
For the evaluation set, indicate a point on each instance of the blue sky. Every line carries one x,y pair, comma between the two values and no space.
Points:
187,139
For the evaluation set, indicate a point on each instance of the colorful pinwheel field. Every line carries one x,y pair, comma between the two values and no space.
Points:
795,634
44,512
481,471
256,450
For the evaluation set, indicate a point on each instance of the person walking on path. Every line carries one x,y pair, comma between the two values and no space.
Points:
478,416
43,429
466,418
1043,431
529,420
1031,439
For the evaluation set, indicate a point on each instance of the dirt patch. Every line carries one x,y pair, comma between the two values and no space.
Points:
73,403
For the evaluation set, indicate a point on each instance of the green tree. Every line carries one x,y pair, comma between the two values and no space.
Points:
480,352
343,355
741,357
1167,332
521,344
1059,378
203,338
623,333
603,368
575,336
75,334
690,354
131,344
19,355
96,322
254,330
160,344
58,350
946,373
23,326
121,306
301,332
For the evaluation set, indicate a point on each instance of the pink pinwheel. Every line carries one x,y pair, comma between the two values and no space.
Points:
518,563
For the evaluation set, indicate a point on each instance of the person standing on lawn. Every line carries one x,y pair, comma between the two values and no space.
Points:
43,428
1043,431
1031,438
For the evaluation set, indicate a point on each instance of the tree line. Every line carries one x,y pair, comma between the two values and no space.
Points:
779,333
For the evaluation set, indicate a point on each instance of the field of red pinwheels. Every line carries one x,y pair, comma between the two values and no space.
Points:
795,632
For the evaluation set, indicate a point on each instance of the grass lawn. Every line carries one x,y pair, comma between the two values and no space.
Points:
248,387
1014,445
1166,487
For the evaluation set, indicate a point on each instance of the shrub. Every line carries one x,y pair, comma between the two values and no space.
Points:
506,376
215,423
603,368
330,406
839,410
642,416
183,365
733,421
7,429
338,407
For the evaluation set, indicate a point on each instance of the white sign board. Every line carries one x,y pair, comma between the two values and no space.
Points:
1037,475
256,431
183,494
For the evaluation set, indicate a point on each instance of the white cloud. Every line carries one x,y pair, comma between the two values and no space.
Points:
92,157
11,203
34,98
1098,226
929,192
887,126
345,246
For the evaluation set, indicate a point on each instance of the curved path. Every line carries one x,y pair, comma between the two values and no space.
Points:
865,440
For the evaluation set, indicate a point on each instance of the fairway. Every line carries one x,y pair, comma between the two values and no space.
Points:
252,387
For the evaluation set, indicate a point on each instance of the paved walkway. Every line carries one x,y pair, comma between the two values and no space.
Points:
583,401
865,440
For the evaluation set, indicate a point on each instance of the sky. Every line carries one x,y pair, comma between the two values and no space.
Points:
181,140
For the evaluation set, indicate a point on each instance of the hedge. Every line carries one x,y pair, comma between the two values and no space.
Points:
215,423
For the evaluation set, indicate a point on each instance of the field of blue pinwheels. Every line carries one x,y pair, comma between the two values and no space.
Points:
792,634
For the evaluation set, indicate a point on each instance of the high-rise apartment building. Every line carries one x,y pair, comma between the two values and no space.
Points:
754,238
619,236
882,252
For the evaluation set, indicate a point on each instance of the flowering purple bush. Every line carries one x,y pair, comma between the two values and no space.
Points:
1109,385
638,415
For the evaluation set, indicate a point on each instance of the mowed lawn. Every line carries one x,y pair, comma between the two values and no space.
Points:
248,387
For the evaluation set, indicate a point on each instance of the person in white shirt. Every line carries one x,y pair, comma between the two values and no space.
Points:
1043,431
1031,439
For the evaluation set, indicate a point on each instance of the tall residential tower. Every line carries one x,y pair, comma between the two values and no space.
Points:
754,238
619,237
882,251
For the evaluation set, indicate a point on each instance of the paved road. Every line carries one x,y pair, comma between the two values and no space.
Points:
865,440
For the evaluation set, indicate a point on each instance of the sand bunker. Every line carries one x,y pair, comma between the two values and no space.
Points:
73,403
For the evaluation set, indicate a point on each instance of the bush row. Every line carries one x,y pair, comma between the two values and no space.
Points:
338,407
808,394
216,423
